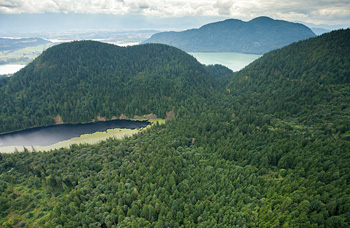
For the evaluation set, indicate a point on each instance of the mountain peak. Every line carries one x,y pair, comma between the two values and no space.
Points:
257,36
262,18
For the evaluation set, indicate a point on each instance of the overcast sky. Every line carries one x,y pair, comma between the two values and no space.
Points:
311,11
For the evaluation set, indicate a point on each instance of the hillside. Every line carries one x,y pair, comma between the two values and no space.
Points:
257,36
241,159
307,82
81,80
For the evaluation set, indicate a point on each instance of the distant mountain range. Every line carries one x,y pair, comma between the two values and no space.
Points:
257,36
320,31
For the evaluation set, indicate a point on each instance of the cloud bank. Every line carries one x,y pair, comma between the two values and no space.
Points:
317,11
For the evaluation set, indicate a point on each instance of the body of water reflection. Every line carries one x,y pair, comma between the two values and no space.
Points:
232,60
44,136
10,68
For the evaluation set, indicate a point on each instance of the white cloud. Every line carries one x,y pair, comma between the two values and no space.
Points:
317,11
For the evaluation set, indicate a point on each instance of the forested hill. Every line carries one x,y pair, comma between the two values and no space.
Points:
257,36
271,152
84,79
308,81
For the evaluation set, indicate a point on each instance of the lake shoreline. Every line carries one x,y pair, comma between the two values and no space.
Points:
93,138
66,123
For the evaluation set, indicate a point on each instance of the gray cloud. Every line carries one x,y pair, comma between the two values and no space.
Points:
317,11
143,5
223,7
5,4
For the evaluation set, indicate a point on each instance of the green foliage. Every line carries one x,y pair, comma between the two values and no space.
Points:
306,83
82,80
228,162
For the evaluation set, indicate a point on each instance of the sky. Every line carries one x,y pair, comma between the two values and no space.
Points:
317,12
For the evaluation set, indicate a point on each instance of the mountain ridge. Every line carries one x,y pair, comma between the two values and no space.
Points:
256,36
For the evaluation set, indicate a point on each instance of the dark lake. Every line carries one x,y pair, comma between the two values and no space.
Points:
45,136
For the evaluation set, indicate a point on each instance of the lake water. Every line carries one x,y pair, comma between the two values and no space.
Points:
232,60
10,68
44,136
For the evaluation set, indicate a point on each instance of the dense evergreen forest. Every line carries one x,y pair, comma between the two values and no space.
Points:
82,80
257,36
270,147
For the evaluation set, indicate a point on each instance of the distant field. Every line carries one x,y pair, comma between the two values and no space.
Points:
22,56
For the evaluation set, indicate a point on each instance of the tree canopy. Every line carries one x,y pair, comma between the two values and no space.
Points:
246,157
84,79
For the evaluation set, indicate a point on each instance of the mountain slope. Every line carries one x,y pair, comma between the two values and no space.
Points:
292,117
79,81
257,36
307,81
229,163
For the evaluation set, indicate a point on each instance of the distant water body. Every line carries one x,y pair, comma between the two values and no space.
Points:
44,136
232,60
10,68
